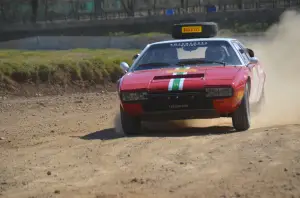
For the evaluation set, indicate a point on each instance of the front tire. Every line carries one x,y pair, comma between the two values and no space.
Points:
131,125
241,117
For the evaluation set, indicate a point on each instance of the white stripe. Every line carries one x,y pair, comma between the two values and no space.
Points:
180,68
181,84
170,85
184,73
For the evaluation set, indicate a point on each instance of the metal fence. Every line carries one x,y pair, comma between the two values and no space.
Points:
20,11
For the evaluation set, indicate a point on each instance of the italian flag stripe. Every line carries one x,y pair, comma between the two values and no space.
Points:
177,83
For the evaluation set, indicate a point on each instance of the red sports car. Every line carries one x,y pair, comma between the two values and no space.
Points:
194,76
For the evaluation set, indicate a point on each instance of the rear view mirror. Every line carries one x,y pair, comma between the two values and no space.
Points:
253,60
250,52
190,48
124,66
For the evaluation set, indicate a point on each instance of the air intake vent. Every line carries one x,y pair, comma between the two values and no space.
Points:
179,76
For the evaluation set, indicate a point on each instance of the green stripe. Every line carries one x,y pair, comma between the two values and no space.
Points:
175,86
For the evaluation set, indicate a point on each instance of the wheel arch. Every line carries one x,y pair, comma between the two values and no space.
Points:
249,83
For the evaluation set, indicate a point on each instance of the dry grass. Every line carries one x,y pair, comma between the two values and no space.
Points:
60,67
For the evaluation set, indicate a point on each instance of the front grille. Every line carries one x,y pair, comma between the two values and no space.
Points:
177,101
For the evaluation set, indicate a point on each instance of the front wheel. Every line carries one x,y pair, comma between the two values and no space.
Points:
130,125
241,117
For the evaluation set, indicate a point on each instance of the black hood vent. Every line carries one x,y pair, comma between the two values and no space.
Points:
179,76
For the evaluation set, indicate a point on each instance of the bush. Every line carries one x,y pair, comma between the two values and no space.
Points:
61,67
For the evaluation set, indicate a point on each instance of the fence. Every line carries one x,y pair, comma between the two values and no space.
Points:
18,12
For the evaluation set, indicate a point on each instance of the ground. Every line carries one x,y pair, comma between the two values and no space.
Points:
66,146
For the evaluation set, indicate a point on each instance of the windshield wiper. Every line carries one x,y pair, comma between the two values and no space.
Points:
193,62
154,64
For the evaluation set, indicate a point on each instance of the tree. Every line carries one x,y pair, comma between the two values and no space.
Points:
2,10
34,7
98,7
151,5
129,6
184,4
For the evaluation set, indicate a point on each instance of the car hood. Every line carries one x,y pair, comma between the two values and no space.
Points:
187,78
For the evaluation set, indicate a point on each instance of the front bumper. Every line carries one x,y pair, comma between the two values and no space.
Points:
182,105
180,115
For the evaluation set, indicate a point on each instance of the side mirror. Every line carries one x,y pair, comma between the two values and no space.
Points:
253,60
250,52
135,56
124,66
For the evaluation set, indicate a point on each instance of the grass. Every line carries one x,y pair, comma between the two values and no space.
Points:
149,34
62,67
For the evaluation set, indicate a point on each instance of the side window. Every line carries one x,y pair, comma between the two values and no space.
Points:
243,55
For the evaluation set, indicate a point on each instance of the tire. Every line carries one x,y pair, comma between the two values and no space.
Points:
241,117
209,29
130,125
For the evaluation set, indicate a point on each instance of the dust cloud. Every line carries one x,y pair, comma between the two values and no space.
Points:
280,56
279,53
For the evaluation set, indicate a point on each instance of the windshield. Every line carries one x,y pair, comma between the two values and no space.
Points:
191,53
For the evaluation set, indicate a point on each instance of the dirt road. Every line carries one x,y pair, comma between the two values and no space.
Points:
66,146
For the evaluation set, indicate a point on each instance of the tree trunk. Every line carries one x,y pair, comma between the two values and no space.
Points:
129,6
46,10
34,7
2,8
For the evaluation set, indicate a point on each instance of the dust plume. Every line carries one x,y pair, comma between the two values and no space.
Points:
280,54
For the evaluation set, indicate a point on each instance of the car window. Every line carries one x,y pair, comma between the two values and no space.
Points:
170,54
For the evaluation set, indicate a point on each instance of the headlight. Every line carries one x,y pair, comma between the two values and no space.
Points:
134,96
219,92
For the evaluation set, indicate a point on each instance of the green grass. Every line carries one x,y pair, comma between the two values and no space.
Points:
149,34
61,67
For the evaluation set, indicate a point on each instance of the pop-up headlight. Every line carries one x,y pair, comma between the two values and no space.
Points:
134,96
219,92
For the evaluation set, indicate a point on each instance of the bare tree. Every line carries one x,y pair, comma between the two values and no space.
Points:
151,5
34,8
129,6
98,7
2,10
184,4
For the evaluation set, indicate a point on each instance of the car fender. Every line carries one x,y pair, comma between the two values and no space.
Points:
241,79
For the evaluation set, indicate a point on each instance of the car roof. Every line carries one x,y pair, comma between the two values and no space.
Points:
194,40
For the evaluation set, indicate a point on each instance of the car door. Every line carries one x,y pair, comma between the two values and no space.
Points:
255,80
261,75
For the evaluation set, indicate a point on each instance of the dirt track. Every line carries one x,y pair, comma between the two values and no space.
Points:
72,137
65,146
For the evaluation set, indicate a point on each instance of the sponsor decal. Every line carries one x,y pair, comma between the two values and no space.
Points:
176,84
191,29
178,106
189,44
